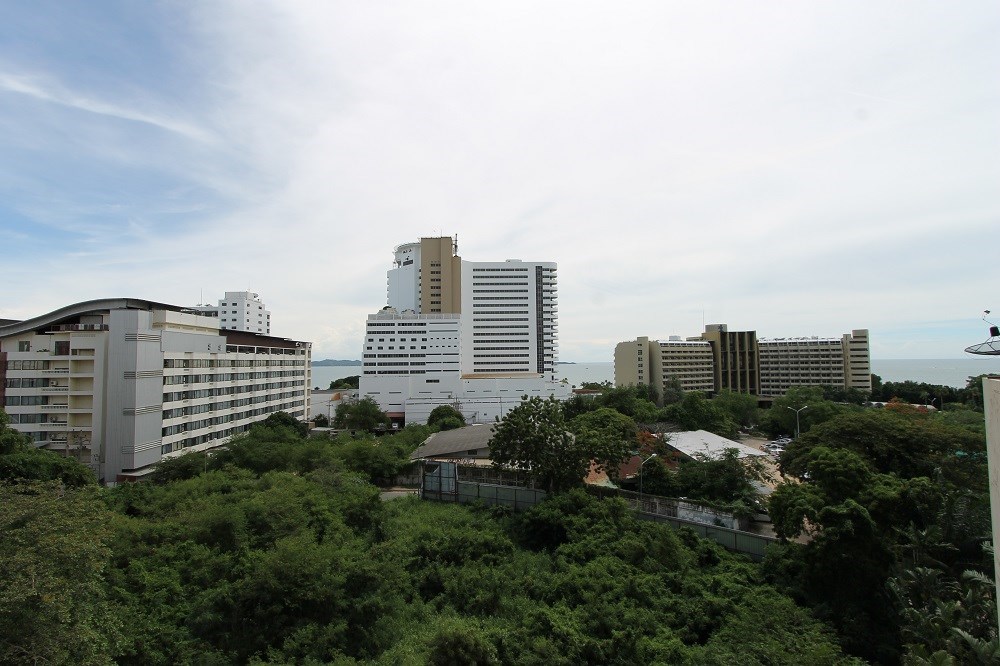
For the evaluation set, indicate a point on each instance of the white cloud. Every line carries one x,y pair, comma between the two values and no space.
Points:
31,86
794,168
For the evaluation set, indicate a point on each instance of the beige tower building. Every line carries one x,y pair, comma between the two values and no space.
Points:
720,359
632,362
734,354
814,361
644,361
426,277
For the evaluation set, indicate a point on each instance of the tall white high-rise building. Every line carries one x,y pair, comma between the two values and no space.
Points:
512,317
462,333
239,311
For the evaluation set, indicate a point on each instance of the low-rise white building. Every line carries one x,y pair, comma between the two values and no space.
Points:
121,383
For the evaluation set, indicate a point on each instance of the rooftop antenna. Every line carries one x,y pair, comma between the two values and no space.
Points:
992,345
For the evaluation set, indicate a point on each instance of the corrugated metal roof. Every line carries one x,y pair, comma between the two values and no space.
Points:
694,442
460,440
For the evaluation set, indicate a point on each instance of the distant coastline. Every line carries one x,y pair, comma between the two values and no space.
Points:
329,362
945,372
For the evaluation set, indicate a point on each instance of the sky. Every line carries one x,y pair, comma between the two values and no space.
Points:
794,168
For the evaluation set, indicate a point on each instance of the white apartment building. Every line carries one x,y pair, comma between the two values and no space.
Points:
478,335
239,311
813,361
122,383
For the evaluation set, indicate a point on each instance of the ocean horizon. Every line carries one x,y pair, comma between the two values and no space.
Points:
944,372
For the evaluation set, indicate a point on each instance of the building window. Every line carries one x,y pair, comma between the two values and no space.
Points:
23,346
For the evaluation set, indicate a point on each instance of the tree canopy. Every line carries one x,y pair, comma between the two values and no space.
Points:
888,498
351,382
20,460
534,437
445,417
365,414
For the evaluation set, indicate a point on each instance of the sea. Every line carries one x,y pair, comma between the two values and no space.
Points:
944,372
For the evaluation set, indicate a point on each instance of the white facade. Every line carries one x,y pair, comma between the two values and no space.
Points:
479,399
511,314
411,344
239,311
403,279
500,346
121,383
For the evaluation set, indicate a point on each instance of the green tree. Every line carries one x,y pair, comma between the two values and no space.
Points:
184,466
741,408
726,478
632,401
20,460
53,597
607,436
780,418
457,644
445,417
286,420
10,439
351,382
579,404
321,421
908,445
534,437
365,414
696,412
672,392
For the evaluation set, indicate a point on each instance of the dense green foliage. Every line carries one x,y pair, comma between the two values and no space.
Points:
365,414
535,438
54,545
273,552
351,382
726,481
891,500
20,460
278,549
920,393
445,417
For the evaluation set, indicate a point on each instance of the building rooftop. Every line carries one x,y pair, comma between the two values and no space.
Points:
458,441
693,443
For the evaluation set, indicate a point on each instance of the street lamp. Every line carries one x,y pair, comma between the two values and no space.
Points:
640,478
800,409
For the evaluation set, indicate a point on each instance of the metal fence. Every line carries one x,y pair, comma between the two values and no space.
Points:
441,484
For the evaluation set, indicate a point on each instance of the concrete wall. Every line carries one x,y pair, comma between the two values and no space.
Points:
991,399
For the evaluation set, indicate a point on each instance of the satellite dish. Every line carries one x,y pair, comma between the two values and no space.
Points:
992,345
